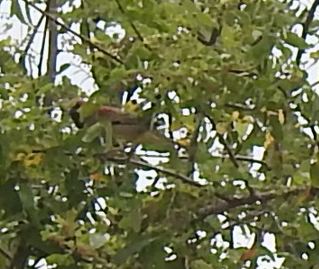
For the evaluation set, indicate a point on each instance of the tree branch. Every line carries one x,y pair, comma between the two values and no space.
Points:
31,39
169,172
229,151
193,146
19,261
306,26
250,160
83,38
52,51
213,38
250,199
43,42
5,254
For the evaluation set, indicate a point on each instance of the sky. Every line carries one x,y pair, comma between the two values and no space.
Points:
79,74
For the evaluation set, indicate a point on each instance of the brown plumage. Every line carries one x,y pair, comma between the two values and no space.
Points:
125,126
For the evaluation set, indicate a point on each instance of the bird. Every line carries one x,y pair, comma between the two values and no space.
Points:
125,126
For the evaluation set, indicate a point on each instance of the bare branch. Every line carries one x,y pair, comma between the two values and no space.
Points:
213,38
31,39
52,50
139,163
19,261
239,106
306,26
83,38
232,203
43,42
193,146
250,160
229,151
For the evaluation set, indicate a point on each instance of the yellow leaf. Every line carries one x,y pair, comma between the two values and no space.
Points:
183,141
281,116
303,196
263,109
235,115
17,156
248,119
269,139
32,159
131,106
221,128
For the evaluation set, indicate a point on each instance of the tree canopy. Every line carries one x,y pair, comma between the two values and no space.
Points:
226,81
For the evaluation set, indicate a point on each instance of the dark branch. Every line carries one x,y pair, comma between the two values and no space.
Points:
229,204
31,39
52,51
83,38
19,261
169,172
213,38
306,26
5,254
229,151
43,42
250,160
193,146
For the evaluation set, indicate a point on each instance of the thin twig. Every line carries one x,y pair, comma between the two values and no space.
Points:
238,158
213,37
83,38
250,160
229,151
193,146
31,39
163,170
43,43
137,32
166,171
239,106
232,156
306,26
5,254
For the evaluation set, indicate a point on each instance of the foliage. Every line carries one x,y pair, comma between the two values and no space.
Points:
225,78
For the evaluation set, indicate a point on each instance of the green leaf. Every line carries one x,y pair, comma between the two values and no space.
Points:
136,219
16,10
4,93
97,240
296,41
27,199
135,246
200,264
60,259
242,127
205,19
9,198
45,88
93,132
63,67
